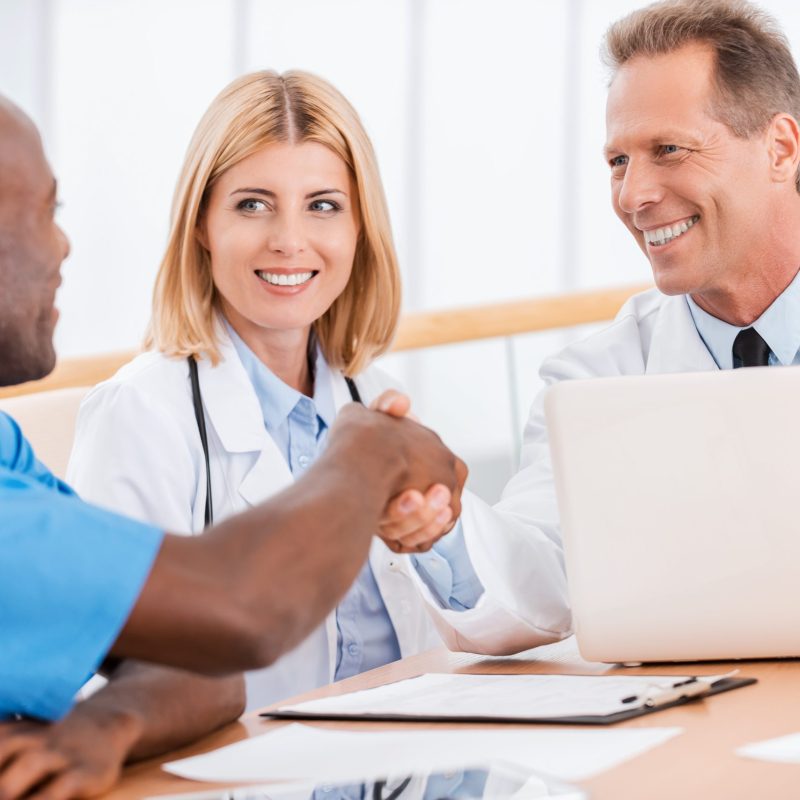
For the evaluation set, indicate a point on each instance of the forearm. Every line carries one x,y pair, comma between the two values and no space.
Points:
146,710
243,594
263,579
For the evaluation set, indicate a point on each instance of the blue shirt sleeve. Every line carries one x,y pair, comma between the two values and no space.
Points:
16,454
447,571
70,574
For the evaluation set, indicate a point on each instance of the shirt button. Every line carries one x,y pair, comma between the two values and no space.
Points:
304,461
352,649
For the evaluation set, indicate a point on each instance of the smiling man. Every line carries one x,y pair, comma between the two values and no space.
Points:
702,144
703,149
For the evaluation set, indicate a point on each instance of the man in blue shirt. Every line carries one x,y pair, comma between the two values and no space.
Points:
79,584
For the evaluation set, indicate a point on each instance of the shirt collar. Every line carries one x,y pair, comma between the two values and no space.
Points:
278,399
778,326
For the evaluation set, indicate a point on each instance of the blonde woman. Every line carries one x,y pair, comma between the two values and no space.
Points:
279,283
278,288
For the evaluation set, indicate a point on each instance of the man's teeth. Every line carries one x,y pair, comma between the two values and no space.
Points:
661,236
284,279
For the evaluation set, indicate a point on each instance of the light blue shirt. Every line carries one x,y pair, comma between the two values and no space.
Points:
778,326
298,424
70,574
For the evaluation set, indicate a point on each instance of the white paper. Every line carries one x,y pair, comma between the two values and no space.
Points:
304,753
785,749
500,696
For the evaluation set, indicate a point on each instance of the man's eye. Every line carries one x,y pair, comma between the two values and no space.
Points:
618,161
324,206
251,205
670,149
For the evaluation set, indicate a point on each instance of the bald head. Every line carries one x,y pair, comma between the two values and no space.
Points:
13,120
32,248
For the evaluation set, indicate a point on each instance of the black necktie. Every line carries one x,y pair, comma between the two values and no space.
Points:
749,349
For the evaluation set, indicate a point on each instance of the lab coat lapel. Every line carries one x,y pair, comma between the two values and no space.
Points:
341,394
392,574
269,475
676,345
235,414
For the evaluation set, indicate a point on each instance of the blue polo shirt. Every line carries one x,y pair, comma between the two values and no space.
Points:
70,574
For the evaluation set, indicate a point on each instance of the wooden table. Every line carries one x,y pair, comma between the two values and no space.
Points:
700,763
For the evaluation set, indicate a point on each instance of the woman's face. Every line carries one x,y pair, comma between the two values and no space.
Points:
281,227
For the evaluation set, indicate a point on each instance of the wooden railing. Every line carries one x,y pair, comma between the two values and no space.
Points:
417,330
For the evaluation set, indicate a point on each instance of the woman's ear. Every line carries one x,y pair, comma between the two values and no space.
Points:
200,232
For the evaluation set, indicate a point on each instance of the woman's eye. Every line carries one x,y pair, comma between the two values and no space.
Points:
252,205
324,206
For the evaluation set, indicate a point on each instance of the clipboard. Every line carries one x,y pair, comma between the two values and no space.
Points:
635,696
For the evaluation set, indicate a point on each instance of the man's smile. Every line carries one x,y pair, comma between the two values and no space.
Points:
657,237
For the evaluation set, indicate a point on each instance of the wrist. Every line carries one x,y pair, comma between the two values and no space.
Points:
365,478
116,729
370,460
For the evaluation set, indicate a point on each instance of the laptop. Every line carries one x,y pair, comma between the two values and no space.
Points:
679,498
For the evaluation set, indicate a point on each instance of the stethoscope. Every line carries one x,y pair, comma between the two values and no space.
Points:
199,415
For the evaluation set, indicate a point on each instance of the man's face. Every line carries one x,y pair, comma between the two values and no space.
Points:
32,247
697,199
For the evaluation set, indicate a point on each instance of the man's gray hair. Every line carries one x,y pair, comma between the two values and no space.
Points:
755,75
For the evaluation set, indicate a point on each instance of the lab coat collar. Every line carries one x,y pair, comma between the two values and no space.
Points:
277,399
234,412
232,404
676,345
230,400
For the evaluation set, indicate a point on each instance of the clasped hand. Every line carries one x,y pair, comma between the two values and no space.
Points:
414,521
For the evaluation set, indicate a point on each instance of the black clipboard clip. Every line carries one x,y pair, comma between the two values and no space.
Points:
682,691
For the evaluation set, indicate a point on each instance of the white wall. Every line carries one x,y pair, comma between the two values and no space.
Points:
488,120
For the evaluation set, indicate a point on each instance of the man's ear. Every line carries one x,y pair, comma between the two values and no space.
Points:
784,147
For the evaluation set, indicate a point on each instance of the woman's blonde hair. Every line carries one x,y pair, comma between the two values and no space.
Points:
253,111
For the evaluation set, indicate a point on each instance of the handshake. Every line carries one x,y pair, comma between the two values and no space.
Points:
424,479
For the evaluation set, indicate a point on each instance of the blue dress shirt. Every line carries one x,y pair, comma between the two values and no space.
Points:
70,574
298,425
778,326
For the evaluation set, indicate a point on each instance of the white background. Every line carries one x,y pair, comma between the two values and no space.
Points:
488,121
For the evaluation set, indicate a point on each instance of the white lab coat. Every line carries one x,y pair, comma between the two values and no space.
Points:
651,334
137,451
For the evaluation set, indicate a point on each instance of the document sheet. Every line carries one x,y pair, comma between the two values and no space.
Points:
499,696
304,753
784,749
